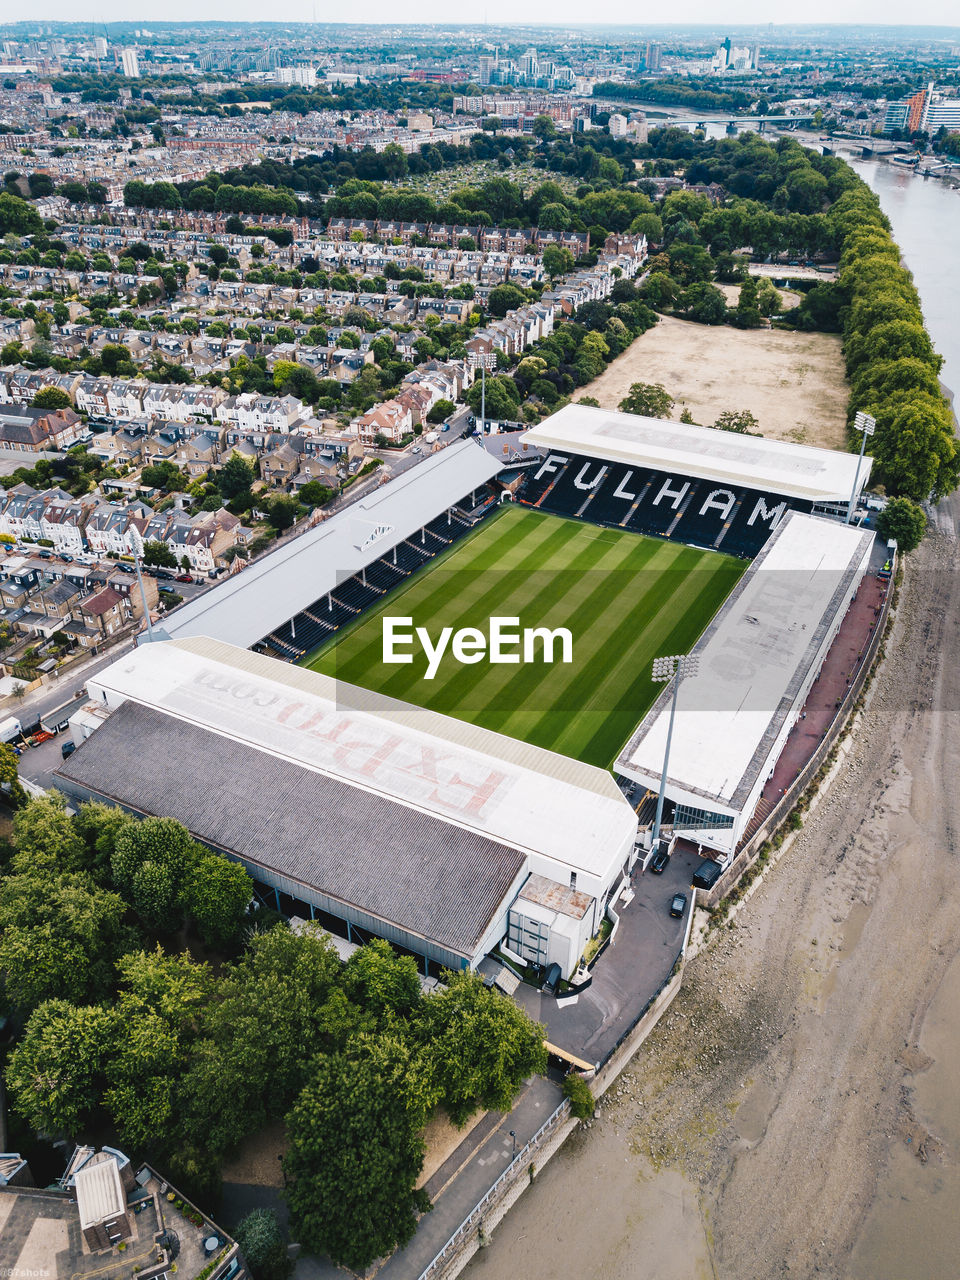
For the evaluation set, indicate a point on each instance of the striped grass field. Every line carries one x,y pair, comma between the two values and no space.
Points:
625,598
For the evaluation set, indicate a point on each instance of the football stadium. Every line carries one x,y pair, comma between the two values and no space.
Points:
457,802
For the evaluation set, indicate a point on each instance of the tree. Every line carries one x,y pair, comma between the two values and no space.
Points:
314,494
151,861
557,261
502,401
51,398
235,476
159,1006
10,786
44,837
158,553
283,512
480,1046
504,298
59,937
382,981
649,399
904,521
747,314
264,1246
578,1091
356,1152
703,303
441,411
55,1073
216,895
740,421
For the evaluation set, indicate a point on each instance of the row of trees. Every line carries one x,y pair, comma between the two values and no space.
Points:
891,363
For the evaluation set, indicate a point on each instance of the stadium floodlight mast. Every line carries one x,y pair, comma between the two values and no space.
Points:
483,360
868,425
136,546
676,668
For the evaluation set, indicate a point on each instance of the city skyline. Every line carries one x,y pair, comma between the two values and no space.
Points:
933,13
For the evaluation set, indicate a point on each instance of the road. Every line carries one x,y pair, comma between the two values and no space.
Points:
772,1123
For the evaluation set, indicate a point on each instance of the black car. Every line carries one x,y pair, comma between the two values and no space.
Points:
678,904
658,863
67,749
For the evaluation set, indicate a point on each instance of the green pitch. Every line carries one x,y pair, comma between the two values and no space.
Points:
625,598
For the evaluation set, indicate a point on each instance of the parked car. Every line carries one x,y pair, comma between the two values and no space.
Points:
68,749
184,577
678,904
167,588
707,874
658,863
416,449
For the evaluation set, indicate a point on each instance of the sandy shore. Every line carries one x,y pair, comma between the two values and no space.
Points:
796,1111
793,383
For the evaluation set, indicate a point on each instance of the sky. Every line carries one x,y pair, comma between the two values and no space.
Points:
869,12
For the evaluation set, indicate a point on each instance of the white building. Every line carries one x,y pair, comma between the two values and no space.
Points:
130,62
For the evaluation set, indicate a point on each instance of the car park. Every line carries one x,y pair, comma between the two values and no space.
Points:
678,904
658,863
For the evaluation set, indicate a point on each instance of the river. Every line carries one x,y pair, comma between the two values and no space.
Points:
600,1211
925,215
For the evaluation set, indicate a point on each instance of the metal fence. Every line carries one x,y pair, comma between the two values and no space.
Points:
520,1161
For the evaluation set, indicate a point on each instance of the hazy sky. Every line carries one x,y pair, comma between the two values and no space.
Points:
868,12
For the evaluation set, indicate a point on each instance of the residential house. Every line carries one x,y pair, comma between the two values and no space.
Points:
27,430
390,419
105,612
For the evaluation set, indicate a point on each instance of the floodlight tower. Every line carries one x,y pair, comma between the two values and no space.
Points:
676,668
136,546
862,422
483,360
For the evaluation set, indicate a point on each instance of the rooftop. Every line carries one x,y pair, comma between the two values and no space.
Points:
339,841
754,657
775,466
498,787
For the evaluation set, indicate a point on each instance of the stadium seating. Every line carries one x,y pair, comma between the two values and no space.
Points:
733,519
352,597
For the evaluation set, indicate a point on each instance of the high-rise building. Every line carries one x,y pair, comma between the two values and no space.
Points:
100,47
652,56
130,63
488,64
528,64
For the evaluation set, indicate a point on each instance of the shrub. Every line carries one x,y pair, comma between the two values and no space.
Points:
581,1098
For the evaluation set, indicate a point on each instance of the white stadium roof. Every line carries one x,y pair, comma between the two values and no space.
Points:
248,605
519,795
794,470
754,658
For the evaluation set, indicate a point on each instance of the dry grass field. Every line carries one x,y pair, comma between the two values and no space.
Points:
794,383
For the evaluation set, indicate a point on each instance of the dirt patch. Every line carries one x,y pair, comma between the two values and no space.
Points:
793,383
441,1138
257,1159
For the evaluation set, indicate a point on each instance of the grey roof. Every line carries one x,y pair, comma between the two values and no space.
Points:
244,608
434,880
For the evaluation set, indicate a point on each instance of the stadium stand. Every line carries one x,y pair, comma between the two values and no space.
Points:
311,627
730,518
